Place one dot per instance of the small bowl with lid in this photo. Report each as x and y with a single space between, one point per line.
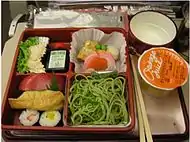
149 29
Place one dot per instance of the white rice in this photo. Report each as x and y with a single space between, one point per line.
29 117
50 118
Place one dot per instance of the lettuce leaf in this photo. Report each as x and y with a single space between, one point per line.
24 53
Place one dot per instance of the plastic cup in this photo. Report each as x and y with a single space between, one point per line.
162 70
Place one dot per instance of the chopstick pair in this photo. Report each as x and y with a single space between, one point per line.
144 128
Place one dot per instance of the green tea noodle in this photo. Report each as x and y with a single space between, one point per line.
98 101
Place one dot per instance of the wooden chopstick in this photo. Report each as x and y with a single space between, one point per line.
141 104
140 120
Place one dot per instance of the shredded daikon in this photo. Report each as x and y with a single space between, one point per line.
36 53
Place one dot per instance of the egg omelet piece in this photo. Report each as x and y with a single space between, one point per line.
38 100
88 48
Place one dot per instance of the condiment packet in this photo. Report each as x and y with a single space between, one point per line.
115 39
163 68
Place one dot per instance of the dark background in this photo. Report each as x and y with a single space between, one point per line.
6 20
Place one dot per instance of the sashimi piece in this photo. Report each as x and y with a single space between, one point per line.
97 63
39 82
35 82
100 61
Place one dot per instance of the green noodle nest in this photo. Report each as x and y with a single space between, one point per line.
98 101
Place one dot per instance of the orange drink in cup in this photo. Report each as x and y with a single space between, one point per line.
162 70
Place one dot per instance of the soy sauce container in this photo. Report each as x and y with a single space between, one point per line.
57 60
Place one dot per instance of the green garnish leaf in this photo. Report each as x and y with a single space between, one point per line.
24 53
54 84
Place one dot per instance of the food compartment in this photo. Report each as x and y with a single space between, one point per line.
94 50
112 103
40 54
21 84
